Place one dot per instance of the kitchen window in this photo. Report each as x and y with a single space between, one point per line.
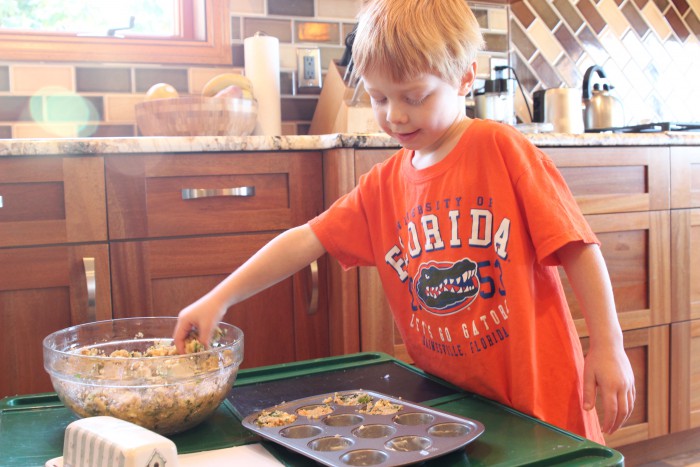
163 31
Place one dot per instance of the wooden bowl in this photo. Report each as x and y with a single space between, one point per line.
197 116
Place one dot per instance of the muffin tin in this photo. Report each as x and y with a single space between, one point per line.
347 437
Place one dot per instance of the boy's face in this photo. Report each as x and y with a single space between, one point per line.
419 111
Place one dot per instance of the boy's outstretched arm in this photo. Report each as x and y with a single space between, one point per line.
607 369
280 258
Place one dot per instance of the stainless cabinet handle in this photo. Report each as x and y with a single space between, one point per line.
194 193
0 201
313 301
90 281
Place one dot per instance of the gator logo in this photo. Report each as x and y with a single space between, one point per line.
446 288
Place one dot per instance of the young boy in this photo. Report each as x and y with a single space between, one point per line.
466 225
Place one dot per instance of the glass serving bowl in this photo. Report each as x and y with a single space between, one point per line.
166 394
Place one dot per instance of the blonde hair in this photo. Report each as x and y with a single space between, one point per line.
406 38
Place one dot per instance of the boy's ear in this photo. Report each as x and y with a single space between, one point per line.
468 80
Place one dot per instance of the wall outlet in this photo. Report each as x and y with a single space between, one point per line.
308 68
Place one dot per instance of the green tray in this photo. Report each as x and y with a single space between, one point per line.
32 426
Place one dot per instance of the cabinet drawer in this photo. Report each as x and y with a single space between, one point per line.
190 194
636 249
615 179
50 200
685 177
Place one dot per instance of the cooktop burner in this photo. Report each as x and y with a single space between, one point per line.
649 128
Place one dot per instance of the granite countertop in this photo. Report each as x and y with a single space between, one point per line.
136 145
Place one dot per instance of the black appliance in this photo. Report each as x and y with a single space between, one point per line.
649 128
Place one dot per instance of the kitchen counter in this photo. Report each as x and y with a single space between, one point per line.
137 145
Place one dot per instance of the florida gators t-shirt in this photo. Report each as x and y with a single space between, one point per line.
466 251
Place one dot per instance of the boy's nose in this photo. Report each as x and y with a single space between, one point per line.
394 114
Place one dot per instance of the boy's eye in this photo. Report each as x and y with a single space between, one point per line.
416 101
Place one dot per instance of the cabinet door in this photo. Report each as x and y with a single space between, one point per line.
685 275
43 290
51 200
636 248
615 179
685 375
285 323
648 351
203 194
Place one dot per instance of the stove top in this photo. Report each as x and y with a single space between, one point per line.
649 128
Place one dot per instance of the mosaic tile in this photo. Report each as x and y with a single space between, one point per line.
5 132
498 19
527 78
569 42
662 4
288 56
658 23
482 17
279 28
298 108
338 8
691 19
496 42
656 49
4 78
569 13
676 24
247 6
483 66
19 108
545 13
615 48
106 131
74 108
521 41
121 107
329 54
681 6
635 75
32 78
236 29
566 68
610 12
635 19
544 40
44 130
589 12
316 31
592 46
523 12
640 3
147 77
237 55
621 87
290 7
103 79
636 49
547 75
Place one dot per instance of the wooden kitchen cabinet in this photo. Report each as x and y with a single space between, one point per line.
685 375
168 249
53 253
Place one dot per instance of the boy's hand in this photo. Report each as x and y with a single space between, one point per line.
202 316
609 373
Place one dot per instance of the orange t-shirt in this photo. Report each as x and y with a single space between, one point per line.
466 253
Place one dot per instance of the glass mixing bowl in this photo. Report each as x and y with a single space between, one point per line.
166 394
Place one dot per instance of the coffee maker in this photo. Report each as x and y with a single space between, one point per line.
496 100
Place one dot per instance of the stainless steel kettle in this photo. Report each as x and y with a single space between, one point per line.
602 110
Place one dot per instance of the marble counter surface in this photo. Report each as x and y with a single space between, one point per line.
137 145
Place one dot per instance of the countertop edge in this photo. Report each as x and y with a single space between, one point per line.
137 145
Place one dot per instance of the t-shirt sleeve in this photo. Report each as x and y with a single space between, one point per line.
343 229
553 216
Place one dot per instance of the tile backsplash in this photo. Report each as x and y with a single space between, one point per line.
649 49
